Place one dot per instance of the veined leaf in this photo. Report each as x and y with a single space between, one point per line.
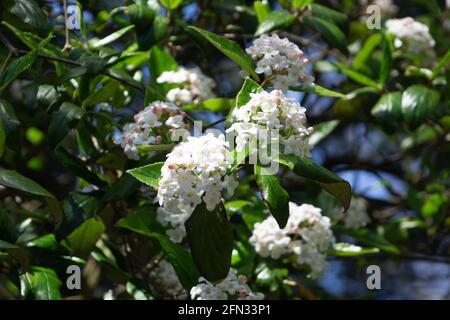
16 67
332 183
275 197
330 33
417 103
143 223
13 179
83 239
210 237
231 49
320 91
62 121
112 37
30 12
45 283
278 19
358 77
149 174
388 111
262 10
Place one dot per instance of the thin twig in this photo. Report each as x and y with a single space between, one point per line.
67 45
214 124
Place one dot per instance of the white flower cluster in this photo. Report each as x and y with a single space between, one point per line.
166 281
193 85
411 36
266 111
281 61
307 235
357 216
195 171
150 127
233 287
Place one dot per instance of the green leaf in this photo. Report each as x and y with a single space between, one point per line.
7 232
33 41
388 111
210 237
83 239
30 12
322 130
78 167
441 64
160 61
13 179
341 249
215 105
371 238
320 91
332 183
275 20
16 67
330 33
66 118
10 125
275 197
388 60
121 189
144 223
417 103
330 15
243 96
231 49
102 95
4 245
149 174
141 15
248 88
148 38
360 61
2 139
111 37
262 10
171 4
45 283
358 77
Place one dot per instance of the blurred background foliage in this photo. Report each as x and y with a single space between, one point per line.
60 109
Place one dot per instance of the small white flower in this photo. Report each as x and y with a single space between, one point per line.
165 281
148 128
232 287
195 171
281 61
268 111
193 85
307 236
412 37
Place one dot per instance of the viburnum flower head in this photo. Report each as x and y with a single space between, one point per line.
307 236
281 61
267 111
195 171
154 125
232 287
166 281
411 36
192 85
